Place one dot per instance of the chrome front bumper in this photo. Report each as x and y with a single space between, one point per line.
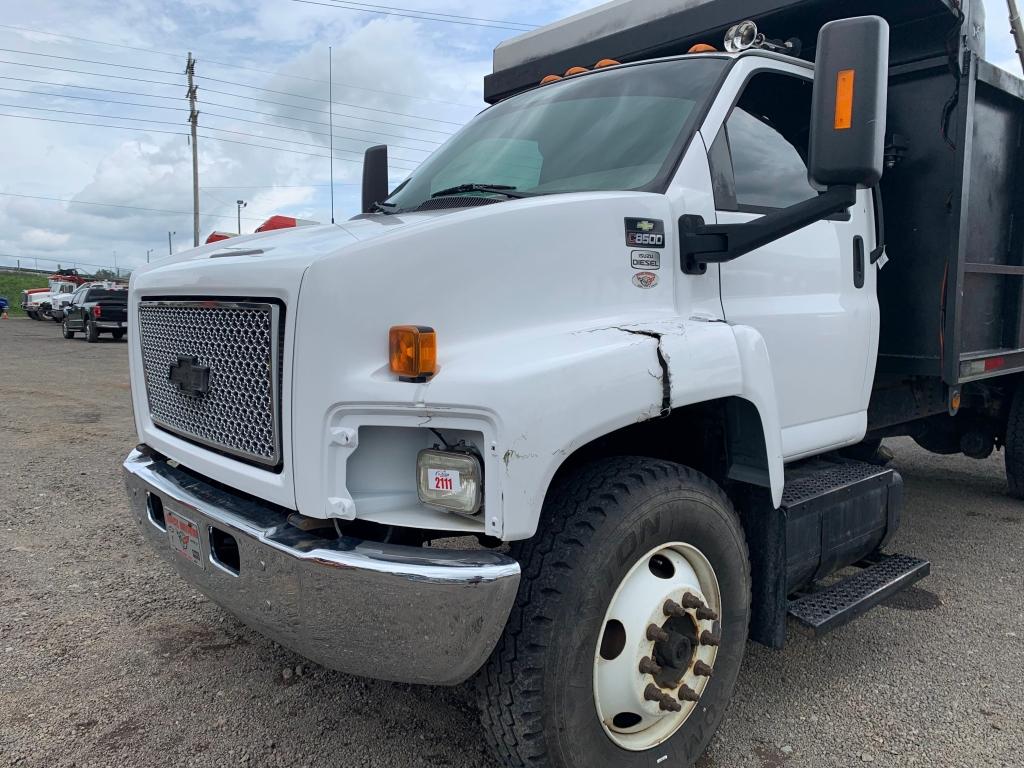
406 614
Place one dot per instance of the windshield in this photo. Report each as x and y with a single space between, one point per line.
617 130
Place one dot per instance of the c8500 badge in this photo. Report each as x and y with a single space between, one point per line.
645 233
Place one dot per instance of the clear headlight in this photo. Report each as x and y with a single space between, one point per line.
450 481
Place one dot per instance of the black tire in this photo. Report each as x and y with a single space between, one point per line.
68 333
596 526
92 333
32 315
118 335
1014 449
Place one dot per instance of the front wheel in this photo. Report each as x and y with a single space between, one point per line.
630 625
68 333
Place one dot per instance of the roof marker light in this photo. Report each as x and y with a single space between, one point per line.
703 48
576 71
607 63
550 79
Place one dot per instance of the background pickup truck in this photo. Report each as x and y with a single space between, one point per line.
94 311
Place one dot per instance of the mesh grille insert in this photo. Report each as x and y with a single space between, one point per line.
239 343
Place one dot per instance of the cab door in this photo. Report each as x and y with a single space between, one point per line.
811 295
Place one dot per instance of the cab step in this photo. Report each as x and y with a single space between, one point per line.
842 602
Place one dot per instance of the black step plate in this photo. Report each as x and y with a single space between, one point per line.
855 595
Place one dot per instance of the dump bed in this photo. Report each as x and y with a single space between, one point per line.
952 293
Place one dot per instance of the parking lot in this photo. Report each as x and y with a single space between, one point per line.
107 659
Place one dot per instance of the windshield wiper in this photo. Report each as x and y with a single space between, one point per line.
497 189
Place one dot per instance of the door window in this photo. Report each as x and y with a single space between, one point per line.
759 159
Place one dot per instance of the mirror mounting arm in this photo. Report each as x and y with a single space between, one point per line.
702 244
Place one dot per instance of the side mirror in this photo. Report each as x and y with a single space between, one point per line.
375 177
847 143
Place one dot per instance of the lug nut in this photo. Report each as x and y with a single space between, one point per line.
701 669
666 702
672 608
691 601
706 614
657 634
649 666
686 693
706 638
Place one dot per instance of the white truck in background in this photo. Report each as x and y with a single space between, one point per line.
633 324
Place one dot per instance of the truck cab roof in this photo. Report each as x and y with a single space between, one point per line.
637 30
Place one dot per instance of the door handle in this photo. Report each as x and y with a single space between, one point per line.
858 262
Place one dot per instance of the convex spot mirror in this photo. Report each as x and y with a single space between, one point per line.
847 144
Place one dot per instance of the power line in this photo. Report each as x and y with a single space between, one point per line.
320 122
205 127
118 205
90 61
90 114
91 74
91 98
176 133
296 143
324 101
211 103
233 66
92 88
376 6
94 125
208 113
336 6
223 82
311 109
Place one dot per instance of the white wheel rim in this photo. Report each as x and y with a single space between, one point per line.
666 573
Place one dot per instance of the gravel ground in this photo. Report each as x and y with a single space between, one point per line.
106 659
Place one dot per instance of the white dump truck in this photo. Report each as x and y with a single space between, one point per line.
596 395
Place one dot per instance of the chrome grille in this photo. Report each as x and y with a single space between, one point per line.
240 344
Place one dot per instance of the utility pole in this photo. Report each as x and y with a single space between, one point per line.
241 204
1017 28
330 112
193 118
148 252
117 272
170 248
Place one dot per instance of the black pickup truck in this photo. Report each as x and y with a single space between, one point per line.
93 311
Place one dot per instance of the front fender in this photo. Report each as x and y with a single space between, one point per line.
559 393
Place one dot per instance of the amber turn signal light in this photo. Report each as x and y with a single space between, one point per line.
844 99
413 352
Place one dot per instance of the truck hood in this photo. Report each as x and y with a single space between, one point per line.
291 250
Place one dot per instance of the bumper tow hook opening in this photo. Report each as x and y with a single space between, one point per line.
155 508
224 551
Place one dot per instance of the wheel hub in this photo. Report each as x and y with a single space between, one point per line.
657 652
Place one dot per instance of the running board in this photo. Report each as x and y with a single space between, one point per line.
844 601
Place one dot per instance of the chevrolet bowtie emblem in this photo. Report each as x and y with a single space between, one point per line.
189 376
645 226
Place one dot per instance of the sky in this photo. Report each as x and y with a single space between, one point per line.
103 195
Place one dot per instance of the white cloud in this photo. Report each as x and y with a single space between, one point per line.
45 239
